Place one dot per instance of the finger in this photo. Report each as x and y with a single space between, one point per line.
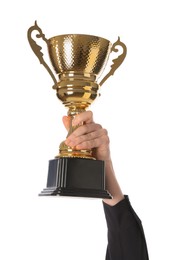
66 122
96 143
86 117
91 136
84 130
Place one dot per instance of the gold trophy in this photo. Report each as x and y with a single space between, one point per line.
78 60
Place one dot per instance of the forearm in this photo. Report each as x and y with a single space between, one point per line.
112 184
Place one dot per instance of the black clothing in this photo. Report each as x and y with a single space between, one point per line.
126 239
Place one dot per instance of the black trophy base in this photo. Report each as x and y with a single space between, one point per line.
76 177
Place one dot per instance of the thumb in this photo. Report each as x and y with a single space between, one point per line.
66 122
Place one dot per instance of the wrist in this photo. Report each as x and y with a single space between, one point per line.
115 200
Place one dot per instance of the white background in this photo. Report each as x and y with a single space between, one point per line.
135 106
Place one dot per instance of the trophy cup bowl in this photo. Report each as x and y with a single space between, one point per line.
78 60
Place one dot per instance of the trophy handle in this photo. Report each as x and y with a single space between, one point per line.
37 49
116 62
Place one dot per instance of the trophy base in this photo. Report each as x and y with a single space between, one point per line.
76 177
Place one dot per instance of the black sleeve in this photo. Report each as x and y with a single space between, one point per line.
126 239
